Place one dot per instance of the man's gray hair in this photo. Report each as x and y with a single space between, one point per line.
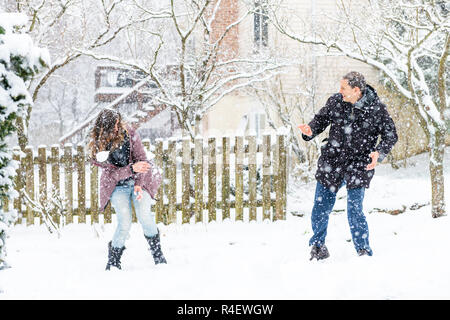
355 79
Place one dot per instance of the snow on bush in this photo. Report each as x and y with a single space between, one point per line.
20 60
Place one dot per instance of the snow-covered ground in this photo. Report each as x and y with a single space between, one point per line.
251 260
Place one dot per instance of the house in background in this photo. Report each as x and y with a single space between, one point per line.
315 72
130 92
255 36
239 112
113 82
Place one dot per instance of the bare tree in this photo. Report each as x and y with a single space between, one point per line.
63 102
409 42
62 26
193 63
287 108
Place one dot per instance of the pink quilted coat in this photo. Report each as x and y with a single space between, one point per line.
149 181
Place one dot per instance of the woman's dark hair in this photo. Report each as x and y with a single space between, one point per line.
103 134
355 79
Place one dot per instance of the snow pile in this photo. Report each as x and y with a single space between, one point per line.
258 260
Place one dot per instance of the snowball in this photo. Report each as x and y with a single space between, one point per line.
102 156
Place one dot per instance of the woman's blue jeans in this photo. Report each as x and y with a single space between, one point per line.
121 199
324 201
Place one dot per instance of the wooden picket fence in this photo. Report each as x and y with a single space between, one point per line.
189 192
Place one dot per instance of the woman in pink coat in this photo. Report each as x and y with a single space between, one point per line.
127 176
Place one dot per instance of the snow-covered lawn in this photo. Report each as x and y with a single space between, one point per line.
251 260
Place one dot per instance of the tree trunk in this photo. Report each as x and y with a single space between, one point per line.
437 144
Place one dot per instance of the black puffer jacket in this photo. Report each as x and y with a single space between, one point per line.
353 136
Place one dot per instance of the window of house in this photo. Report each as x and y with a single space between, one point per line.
260 24
257 122
253 123
103 78
108 78
124 80
111 78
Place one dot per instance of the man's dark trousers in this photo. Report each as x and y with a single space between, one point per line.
324 200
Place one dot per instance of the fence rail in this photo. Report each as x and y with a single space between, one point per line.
238 179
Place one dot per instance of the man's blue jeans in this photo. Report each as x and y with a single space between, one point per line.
121 201
324 200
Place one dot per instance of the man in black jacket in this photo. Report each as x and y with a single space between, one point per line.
357 118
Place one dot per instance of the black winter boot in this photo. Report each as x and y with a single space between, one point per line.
155 248
114 255
319 253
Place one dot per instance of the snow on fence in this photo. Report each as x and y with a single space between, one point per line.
216 179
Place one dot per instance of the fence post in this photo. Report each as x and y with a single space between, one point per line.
211 179
5 203
226 178
239 180
266 187
42 164
146 144
252 177
18 185
198 171
81 169
284 175
159 207
275 162
172 186
94 193
29 183
107 213
280 205
55 178
185 179
168 159
68 179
